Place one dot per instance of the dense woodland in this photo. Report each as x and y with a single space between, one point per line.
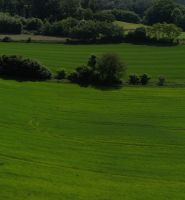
57 9
93 20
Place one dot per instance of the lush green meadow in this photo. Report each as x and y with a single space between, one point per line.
60 141
64 142
156 61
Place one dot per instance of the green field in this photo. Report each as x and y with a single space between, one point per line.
60 141
156 61
129 26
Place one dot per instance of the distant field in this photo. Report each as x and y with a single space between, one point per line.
156 61
24 37
129 26
63 142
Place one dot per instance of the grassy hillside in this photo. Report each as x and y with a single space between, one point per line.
129 26
64 142
167 61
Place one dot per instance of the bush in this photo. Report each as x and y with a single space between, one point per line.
82 13
107 71
105 16
85 30
161 81
83 75
33 24
61 74
139 35
10 24
60 28
110 32
110 69
7 39
163 32
126 16
29 40
144 79
92 61
134 79
17 67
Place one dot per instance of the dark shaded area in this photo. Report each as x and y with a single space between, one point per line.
21 69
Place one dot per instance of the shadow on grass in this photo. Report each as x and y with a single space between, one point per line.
20 79
154 44
102 87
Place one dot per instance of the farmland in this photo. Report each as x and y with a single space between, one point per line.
65 142
61 141
156 61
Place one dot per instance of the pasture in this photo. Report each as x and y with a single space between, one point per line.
154 60
63 142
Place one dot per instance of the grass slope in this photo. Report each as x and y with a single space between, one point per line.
64 142
129 26
156 61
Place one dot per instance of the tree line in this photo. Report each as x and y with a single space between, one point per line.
91 20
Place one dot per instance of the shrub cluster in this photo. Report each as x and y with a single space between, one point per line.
10 24
33 24
84 29
136 80
19 68
161 81
158 33
126 16
108 70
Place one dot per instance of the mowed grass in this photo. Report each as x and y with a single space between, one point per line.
63 142
156 61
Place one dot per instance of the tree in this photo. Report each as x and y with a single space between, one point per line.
50 9
92 62
69 7
104 16
10 24
126 16
110 69
164 31
161 11
85 30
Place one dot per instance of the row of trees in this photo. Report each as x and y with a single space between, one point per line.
88 30
78 29
107 70
57 9
84 30
16 25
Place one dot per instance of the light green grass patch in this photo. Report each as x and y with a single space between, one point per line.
129 26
